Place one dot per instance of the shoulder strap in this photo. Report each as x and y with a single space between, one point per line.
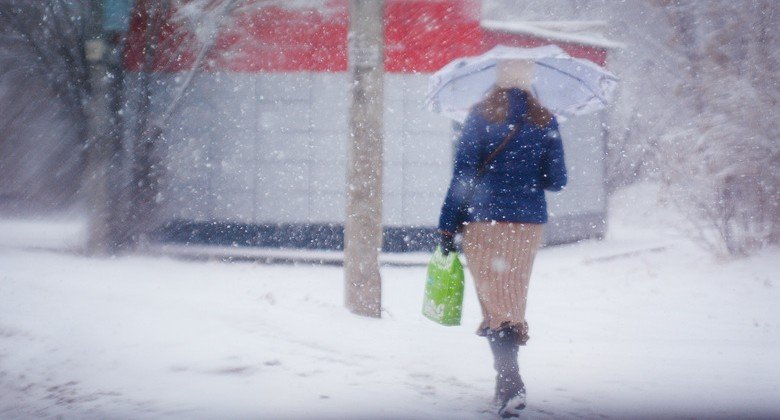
484 165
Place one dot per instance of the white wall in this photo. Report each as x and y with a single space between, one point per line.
272 148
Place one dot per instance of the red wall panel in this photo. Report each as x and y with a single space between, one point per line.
420 36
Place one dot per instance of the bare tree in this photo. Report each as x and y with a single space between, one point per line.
196 26
44 88
719 157
49 41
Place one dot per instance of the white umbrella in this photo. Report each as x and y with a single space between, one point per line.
565 85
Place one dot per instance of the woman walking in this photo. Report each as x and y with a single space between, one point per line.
508 153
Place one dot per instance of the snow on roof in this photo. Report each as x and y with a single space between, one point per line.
578 32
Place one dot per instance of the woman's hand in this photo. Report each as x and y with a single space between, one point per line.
447 243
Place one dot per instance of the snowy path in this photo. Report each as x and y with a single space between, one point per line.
665 332
158 338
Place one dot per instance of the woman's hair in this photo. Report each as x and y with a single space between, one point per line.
495 108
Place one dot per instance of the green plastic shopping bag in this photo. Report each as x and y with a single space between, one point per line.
443 299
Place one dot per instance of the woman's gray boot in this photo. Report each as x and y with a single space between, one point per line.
510 390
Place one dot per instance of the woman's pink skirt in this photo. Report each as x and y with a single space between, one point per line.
500 257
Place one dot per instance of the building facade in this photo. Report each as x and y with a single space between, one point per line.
256 153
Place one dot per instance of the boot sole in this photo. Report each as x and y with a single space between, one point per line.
513 407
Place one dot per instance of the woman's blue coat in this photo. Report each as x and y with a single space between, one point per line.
512 188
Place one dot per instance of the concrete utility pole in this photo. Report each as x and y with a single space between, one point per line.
363 228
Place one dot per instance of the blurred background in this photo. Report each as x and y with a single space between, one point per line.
121 139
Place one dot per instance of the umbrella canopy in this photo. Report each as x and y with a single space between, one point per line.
565 85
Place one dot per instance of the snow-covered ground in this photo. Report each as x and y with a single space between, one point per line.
642 324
